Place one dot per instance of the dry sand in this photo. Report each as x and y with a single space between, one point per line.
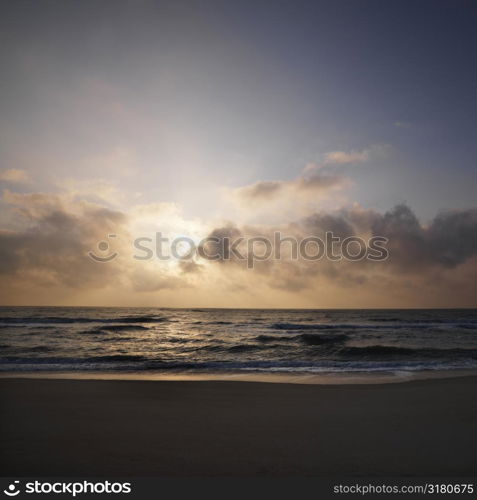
191 428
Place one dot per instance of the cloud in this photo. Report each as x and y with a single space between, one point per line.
344 157
51 250
14 176
318 183
261 190
280 201
439 259
322 185
356 156
219 242
448 241
46 258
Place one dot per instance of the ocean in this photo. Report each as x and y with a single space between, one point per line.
236 341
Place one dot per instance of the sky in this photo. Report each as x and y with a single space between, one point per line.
210 117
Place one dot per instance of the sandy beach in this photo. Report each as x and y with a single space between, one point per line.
190 428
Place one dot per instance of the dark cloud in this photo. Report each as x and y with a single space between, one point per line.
448 241
320 223
54 247
418 255
216 246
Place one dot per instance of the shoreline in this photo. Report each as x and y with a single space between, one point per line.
350 378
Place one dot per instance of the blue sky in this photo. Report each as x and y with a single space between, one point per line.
249 91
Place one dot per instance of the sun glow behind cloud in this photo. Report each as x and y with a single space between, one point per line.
54 233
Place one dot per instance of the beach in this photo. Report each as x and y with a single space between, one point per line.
60 427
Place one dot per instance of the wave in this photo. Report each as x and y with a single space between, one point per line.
137 363
301 326
212 323
114 329
386 320
244 348
40 348
118 357
423 320
118 339
317 339
69 320
275 338
403 352
71 361
363 326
